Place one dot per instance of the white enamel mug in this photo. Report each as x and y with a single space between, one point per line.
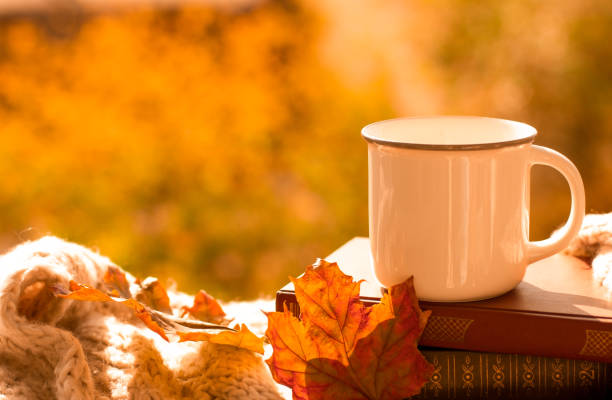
449 204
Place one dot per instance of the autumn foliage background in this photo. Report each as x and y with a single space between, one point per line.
219 144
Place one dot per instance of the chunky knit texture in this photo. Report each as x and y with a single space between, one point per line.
52 348
594 245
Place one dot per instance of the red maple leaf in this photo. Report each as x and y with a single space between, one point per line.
344 350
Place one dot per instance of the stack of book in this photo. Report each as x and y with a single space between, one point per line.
550 337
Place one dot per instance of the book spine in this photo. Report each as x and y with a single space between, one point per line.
525 333
473 375
500 331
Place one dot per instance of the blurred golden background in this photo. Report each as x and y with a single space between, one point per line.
217 142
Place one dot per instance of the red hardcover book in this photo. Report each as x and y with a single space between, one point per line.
557 311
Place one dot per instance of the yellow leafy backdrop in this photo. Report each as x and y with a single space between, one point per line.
220 146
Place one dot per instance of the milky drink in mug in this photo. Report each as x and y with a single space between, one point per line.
449 204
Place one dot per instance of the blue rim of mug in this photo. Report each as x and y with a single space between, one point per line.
472 146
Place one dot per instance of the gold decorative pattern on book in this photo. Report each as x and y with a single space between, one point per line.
446 329
597 344
435 382
558 376
474 375
468 375
529 375
498 375
586 375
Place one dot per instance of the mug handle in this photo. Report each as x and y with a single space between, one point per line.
554 244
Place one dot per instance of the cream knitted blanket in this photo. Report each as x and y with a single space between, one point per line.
84 350
594 244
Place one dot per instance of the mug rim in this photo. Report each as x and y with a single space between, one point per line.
529 137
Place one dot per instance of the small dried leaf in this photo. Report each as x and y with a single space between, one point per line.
153 294
242 337
145 316
80 292
342 349
117 283
205 308
181 323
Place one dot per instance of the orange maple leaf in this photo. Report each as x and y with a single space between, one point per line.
343 349
117 283
205 308
81 292
152 293
241 337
